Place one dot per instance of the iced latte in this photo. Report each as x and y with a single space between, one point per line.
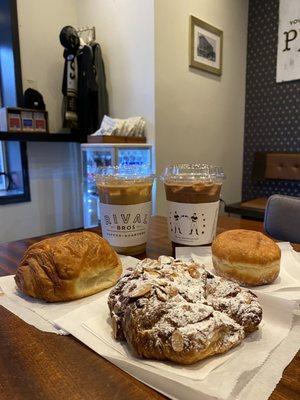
125 207
193 194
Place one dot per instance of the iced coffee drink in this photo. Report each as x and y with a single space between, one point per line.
125 207
193 196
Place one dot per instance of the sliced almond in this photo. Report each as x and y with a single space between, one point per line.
165 260
177 341
173 291
161 282
141 290
152 272
193 271
136 273
161 295
149 268
114 325
164 288
171 274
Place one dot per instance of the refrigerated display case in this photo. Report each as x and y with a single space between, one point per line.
94 156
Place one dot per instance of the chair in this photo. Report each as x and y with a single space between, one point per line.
282 218
267 166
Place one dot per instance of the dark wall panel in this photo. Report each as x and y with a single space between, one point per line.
272 117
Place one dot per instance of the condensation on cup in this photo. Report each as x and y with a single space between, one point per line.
193 199
125 204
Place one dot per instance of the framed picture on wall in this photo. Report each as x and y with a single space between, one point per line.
206 43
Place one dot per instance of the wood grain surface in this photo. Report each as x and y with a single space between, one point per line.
35 365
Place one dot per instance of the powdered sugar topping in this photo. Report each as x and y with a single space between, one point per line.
181 306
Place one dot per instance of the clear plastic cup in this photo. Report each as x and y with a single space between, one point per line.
193 197
125 196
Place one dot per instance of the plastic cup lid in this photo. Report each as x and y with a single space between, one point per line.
132 173
193 173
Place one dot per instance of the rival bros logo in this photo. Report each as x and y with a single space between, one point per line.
126 222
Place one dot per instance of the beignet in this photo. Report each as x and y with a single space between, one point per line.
246 257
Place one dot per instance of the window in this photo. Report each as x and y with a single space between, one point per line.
14 182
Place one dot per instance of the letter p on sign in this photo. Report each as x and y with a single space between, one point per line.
288 50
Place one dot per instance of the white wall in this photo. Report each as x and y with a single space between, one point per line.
54 168
40 22
192 116
55 194
199 116
125 30
126 33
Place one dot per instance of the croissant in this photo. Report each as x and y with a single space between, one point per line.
167 309
68 267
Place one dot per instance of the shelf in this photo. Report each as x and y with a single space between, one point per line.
115 139
42 137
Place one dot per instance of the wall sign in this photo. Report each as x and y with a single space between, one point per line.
288 52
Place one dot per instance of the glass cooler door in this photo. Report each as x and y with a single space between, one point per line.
93 158
134 156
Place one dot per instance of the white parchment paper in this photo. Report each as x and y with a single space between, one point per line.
277 321
219 379
40 313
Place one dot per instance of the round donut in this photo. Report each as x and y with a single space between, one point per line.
247 257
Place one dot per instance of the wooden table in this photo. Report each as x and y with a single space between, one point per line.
37 365
251 209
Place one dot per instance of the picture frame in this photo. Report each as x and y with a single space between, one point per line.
206 46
